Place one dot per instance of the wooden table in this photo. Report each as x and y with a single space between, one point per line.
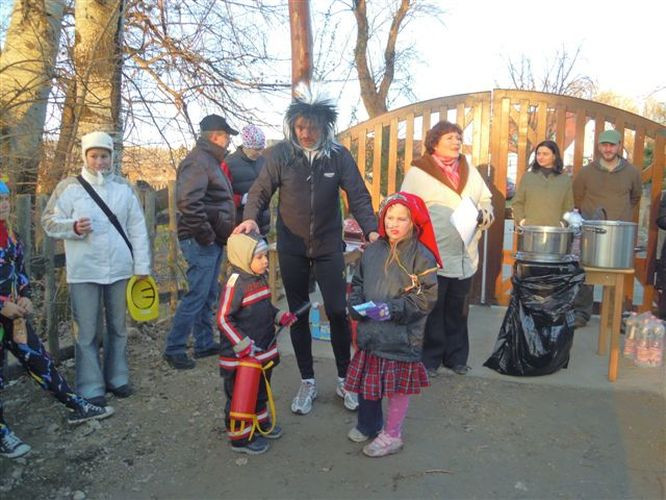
612 281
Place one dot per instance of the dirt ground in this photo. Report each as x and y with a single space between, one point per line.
465 437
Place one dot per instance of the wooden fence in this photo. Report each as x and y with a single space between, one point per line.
500 131
45 260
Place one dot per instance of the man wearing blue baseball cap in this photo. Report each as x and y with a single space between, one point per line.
610 183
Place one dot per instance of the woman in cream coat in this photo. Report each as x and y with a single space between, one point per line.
442 178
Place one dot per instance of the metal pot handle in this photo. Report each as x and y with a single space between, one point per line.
598 230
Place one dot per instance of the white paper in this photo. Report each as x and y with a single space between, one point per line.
463 219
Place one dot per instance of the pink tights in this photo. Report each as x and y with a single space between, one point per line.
397 410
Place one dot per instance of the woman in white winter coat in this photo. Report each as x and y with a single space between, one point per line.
99 264
443 178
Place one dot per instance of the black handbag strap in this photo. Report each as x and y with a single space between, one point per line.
112 217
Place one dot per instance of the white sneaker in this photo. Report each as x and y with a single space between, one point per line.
357 436
350 398
302 403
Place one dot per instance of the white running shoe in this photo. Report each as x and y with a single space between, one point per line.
302 403
350 398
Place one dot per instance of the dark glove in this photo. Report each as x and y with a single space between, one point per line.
379 313
287 319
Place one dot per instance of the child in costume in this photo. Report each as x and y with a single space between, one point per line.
247 321
393 289
18 337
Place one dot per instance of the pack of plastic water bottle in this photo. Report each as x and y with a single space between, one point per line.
644 339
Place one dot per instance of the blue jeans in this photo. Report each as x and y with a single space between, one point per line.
93 378
197 307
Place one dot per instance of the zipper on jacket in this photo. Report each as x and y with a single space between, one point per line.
312 214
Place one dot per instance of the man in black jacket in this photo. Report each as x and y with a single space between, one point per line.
310 168
207 216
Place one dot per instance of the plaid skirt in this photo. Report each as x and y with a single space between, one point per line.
374 378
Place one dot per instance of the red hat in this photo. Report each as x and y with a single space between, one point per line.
420 218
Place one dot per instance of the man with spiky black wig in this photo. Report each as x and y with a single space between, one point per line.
310 167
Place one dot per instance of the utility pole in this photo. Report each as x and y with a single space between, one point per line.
301 42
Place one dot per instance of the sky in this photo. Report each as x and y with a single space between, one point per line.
622 43
466 48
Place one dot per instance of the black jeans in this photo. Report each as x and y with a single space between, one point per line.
370 419
329 271
446 338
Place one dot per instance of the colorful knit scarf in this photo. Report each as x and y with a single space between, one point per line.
449 166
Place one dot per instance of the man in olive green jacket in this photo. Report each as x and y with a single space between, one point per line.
610 183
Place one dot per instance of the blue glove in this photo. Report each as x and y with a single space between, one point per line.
379 313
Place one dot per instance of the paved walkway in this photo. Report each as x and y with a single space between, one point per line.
586 369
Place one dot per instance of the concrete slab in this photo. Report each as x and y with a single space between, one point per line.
586 370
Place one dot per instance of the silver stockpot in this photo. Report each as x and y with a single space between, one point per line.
608 244
544 243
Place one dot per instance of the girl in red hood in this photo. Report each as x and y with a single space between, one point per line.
393 290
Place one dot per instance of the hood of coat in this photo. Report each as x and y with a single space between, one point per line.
240 250
621 166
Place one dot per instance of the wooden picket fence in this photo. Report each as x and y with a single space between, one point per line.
45 261
501 129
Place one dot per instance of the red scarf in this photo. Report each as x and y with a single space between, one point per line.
225 170
449 166
4 234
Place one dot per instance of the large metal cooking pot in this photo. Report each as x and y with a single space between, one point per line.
608 244
544 243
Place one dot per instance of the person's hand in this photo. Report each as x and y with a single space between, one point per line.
26 304
379 313
247 226
20 332
83 226
248 350
373 236
287 319
12 310
485 219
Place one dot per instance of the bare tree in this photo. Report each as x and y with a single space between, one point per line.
558 75
175 57
375 79
26 70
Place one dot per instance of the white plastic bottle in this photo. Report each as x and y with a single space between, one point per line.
631 326
656 344
642 354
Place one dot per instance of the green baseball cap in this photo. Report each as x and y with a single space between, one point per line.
610 137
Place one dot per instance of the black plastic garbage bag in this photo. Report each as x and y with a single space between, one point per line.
537 331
